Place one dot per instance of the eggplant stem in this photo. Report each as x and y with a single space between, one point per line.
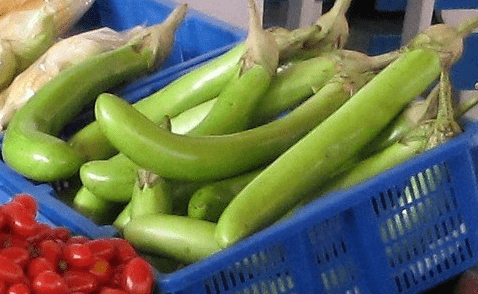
261 47
467 27
381 61
445 126
334 27
465 106
341 6
289 42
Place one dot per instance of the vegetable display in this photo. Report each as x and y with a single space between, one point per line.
202 158
310 162
204 83
230 148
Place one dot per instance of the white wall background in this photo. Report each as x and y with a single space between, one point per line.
231 11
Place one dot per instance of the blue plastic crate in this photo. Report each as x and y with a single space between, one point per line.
51 210
456 4
198 39
390 5
404 231
401 5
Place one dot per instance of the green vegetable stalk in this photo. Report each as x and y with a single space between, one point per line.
58 57
329 32
429 133
118 173
301 79
413 115
233 107
123 218
209 201
99 210
31 146
100 176
185 239
204 158
201 84
148 196
236 103
311 161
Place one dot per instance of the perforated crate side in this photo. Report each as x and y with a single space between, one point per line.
305 256
404 231
421 231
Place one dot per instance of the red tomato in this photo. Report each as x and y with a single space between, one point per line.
22 223
10 272
3 219
102 248
78 255
49 283
62 234
5 240
77 240
42 232
3 286
27 201
124 251
39 265
19 255
11 240
138 277
37 258
116 276
19 288
11 207
467 283
80 281
50 250
107 290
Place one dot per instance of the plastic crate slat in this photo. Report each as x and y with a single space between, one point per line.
391 5
436 246
401 5
336 265
456 4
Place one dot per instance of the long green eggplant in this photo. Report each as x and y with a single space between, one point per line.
30 145
311 161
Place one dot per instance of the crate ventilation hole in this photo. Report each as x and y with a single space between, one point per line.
261 273
336 267
423 231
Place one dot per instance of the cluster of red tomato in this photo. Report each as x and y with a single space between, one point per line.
39 259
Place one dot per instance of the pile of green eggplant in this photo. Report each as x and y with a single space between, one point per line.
244 140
